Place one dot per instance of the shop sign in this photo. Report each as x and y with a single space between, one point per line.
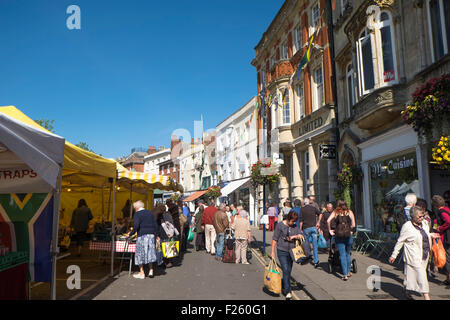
327 151
393 166
310 126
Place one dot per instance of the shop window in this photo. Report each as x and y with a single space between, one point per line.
438 12
301 101
350 89
391 179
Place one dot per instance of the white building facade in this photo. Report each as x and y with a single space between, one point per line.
236 146
152 161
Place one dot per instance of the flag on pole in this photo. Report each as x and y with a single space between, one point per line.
285 96
306 57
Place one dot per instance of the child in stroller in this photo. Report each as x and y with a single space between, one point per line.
334 260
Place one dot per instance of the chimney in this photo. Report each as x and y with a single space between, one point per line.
151 150
175 147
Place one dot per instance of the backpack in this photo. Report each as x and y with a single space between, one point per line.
343 226
229 255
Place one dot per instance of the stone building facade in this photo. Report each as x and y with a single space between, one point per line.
384 51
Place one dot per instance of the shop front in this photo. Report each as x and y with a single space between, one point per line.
393 166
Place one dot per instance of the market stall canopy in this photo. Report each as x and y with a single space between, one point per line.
30 158
143 181
87 165
233 185
195 196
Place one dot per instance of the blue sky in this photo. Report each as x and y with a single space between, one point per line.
136 71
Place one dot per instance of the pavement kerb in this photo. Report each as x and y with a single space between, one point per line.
308 286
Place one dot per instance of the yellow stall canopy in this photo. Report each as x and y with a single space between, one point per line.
142 181
91 168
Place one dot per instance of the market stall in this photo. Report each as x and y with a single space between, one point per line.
31 162
81 169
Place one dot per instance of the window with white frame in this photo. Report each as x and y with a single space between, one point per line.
438 12
365 62
317 88
272 61
301 100
387 63
298 38
307 165
286 108
350 84
284 51
315 16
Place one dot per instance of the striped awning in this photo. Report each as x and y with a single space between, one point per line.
146 180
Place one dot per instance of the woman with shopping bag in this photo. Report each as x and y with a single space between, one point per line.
284 236
415 238
443 220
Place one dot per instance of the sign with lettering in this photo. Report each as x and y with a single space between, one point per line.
327 151
21 179
310 126
404 166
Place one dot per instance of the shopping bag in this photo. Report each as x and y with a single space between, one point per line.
190 235
170 249
297 253
322 242
272 277
438 253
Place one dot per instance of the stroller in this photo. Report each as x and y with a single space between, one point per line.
334 262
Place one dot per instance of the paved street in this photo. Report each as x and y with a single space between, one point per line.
200 277
322 285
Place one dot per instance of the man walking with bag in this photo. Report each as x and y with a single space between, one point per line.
220 223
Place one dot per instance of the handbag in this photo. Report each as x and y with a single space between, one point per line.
297 253
190 235
272 277
438 253
322 243
170 249
159 253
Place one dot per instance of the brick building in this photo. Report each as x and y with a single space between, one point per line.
300 109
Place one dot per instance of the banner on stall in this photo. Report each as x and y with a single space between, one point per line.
26 221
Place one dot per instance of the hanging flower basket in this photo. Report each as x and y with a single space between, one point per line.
175 197
441 153
346 177
429 111
259 179
213 192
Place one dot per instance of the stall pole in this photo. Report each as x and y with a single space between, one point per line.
109 200
55 249
103 203
113 230
131 200
146 199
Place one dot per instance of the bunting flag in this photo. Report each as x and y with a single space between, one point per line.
26 222
269 100
258 101
306 57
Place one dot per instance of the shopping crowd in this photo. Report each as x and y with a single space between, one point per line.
220 230
332 229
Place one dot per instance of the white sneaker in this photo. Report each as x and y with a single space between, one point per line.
150 274
139 276
289 296
237 261
245 262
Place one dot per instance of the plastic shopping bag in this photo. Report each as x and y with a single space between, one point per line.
438 253
190 235
322 242
170 249
272 277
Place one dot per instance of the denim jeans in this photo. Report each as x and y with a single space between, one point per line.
311 233
344 245
286 265
220 242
